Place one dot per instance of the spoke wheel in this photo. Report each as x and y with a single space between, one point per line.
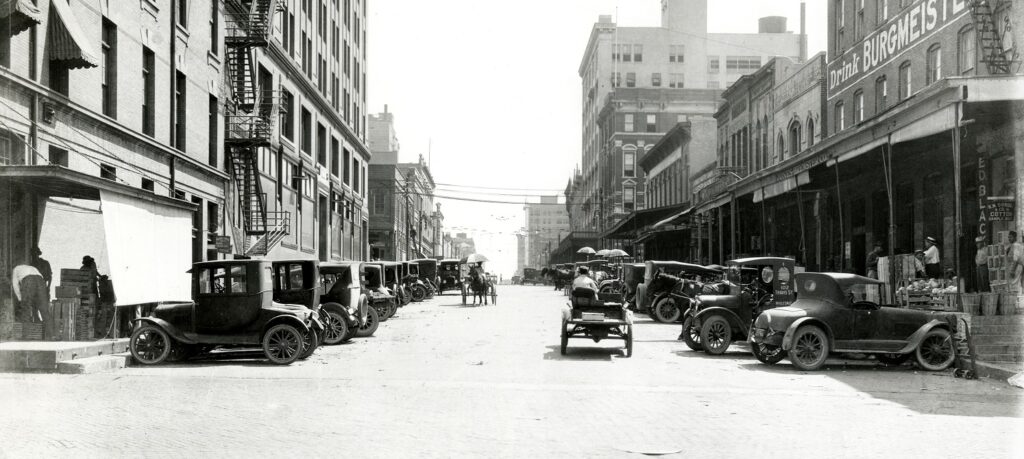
310 341
691 335
335 328
418 293
667 311
372 322
935 353
766 353
810 348
282 344
716 335
150 345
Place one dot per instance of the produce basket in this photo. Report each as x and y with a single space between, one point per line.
971 303
989 304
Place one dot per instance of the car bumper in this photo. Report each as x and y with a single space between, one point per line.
767 336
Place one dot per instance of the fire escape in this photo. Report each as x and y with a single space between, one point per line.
250 115
990 40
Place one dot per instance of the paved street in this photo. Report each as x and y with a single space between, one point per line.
444 380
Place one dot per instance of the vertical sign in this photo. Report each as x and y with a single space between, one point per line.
983 187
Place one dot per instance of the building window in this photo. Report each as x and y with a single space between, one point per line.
713 65
182 13
628 197
675 80
881 11
149 88
781 147
794 140
652 123
629 163
335 157
288 103
630 79
810 132
742 64
933 70
108 172
214 28
108 84
321 145
656 80
966 51
211 123
675 53
347 164
58 77
858 106
881 94
616 79
629 122
180 111
307 131
147 184
638 53
57 156
840 116
904 83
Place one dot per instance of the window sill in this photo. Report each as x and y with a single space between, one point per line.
212 59
182 32
150 7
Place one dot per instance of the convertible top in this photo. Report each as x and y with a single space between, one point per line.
829 285
687 267
760 260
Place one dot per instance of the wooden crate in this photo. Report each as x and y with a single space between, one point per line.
28 331
63 312
73 275
64 291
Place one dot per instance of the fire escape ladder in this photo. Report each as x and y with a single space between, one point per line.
989 40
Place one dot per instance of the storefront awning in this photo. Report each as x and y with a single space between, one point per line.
714 203
675 218
782 186
22 14
68 43
629 226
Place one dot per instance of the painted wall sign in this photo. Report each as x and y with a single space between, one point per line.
914 25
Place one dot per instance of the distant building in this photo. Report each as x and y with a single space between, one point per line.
546 222
462 246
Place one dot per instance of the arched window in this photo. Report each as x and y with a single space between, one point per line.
933 64
966 50
781 150
794 139
810 131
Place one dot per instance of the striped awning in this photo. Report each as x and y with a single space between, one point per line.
22 14
67 41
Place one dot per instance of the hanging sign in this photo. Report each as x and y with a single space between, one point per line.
223 244
999 211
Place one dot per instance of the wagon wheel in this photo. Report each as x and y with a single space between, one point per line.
565 337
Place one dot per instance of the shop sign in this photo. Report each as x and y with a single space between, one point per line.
913 26
223 244
982 195
1000 211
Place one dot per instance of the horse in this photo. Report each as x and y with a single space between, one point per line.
479 285
559 277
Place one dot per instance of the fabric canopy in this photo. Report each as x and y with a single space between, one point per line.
67 41
149 249
22 14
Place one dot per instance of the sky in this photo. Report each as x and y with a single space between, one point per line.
489 93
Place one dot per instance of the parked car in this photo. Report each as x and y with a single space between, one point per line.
673 293
450 276
345 298
531 276
393 281
832 315
428 274
232 307
411 279
381 299
632 277
297 282
715 321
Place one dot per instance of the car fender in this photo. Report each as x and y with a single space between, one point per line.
915 339
290 320
337 307
167 328
787 339
730 316
363 308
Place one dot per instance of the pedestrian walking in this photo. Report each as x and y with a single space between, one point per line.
932 259
1015 260
873 260
981 265
33 297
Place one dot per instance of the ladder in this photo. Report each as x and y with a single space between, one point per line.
990 42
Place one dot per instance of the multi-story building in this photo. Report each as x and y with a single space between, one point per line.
462 246
422 218
546 222
404 222
679 55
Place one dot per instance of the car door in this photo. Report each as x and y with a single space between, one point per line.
224 302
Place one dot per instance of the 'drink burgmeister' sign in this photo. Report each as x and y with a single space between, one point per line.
911 26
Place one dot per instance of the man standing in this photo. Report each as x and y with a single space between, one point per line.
932 260
33 297
42 265
1015 259
873 260
981 265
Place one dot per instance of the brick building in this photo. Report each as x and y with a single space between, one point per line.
546 222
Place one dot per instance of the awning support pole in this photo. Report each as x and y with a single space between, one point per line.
887 169
803 234
732 226
764 229
721 237
959 230
842 238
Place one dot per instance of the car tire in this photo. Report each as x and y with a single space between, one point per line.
335 326
565 337
372 322
282 344
150 345
936 351
766 353
629 341
667 310
893 359
392 308
419 293
310 341
716 335
810 348
691 335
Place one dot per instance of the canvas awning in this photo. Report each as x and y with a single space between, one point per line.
22 14
68 43
674 218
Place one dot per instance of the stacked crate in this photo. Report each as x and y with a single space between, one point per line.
74 281
998 267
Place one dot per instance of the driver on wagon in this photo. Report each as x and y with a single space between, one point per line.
584 280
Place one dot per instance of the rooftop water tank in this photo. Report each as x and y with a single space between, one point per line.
771 24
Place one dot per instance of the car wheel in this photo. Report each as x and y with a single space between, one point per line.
691 335
766 353
810 348
335 328
372 322
893 359
667 311
150 345
310 341
936 353
392 308
282 344
565 337
716 335
629 341
418 293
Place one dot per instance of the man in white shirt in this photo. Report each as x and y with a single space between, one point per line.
1015 260
932 260
584 280
33 297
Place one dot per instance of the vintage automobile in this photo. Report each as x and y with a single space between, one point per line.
670 294
451 276
393 281
411 279
380 298
715 321
832 315
532 276
645 299
297 282
592 316
345 298
428 274
233 307
632 276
